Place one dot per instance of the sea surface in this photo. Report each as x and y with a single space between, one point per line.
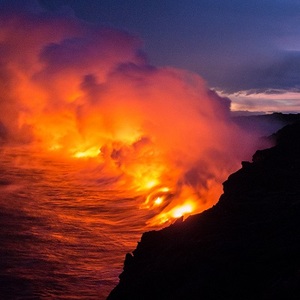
64 231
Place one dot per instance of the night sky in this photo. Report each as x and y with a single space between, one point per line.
246 50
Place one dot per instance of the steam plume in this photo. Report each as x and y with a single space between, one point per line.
79 90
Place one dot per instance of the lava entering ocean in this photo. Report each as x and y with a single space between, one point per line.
78 91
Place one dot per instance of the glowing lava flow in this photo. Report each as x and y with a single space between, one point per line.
179 211
162 199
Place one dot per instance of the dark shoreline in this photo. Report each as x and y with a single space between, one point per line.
246 247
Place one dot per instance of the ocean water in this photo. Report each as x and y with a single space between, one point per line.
64 231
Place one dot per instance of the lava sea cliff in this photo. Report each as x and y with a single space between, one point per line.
245 247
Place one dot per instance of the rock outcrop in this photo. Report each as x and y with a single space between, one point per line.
245 247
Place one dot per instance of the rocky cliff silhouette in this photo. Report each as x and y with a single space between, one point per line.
245 247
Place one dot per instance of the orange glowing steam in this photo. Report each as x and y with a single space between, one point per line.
87 92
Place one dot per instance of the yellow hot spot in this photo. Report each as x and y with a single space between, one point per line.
92 152
158 195
150 184
158 200
182 210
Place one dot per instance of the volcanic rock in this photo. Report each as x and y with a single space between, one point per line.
245 247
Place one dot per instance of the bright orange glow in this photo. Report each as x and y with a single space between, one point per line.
150 184
156 197
157 133
92 152
176 212
158 200
179 211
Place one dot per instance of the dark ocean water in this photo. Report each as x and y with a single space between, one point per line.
63 232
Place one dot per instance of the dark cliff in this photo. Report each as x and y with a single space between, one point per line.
245 247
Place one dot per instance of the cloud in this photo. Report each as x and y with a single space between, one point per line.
273 76
234 45
266 101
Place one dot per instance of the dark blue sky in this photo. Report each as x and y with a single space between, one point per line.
235 45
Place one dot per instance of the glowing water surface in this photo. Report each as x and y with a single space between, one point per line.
62 236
